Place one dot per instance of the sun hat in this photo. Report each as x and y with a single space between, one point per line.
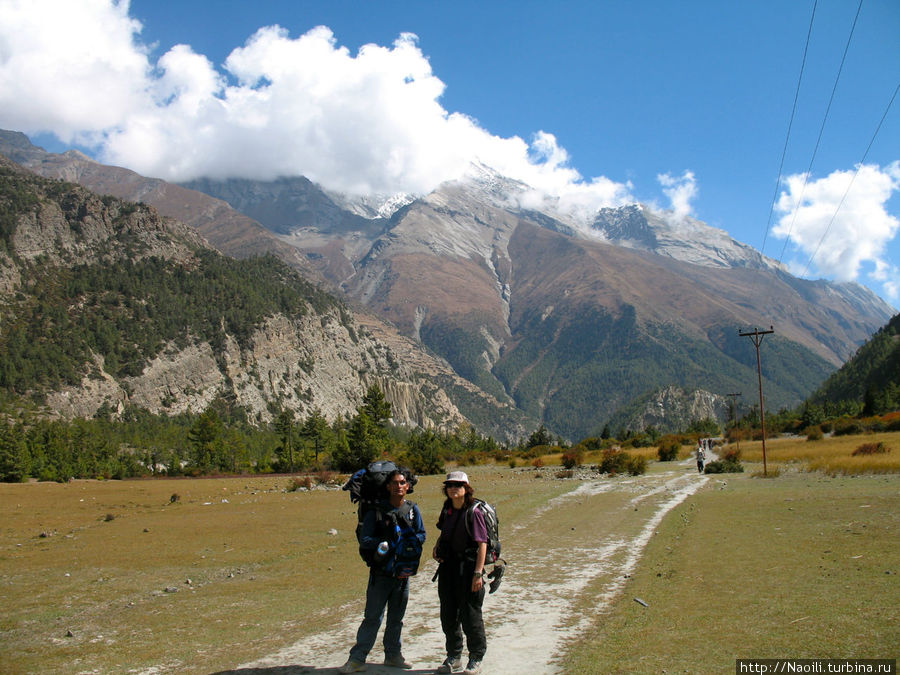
457 477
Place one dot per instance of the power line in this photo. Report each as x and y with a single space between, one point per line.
821 131
790 126
858 168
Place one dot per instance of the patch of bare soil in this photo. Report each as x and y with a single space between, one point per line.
568 560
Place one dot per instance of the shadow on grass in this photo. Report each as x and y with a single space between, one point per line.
372 669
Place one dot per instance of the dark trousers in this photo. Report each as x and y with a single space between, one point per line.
382 592
461 610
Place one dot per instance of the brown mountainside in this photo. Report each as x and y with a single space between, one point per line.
568 324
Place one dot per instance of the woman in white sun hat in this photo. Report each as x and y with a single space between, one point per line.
461 551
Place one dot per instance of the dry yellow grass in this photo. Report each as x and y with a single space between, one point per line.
832 455
249 567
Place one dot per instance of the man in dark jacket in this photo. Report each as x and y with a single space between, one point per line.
388 586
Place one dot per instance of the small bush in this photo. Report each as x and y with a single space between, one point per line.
891 421
668 449
814 433
724 466
871 449
512 462
537 462
572 458
300 482
736 434
636 465
847 426
614 461
872 424
535 451
108 517
325 477
731 455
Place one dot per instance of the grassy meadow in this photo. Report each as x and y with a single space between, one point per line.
119 576
804 565
199 575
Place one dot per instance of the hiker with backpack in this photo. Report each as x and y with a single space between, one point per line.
391 534
461 550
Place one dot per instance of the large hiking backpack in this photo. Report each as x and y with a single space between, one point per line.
492 522
368 488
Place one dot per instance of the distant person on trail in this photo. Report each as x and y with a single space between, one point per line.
385 589
461 551
701 457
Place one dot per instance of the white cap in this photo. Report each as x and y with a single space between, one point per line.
457 477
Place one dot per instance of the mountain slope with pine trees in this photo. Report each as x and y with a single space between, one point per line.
104 305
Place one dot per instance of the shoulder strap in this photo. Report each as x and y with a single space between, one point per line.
385 513
405 511
470 515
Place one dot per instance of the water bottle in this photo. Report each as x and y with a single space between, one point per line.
382 550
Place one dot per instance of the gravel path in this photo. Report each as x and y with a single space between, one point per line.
534 615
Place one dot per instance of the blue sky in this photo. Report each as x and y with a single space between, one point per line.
684 106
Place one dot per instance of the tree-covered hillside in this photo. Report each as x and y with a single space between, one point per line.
129 312
116 298
871 377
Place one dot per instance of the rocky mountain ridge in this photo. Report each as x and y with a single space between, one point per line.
561 320
522 301
316 358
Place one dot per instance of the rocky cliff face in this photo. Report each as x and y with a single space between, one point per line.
318 360
311 364
686 239
673 408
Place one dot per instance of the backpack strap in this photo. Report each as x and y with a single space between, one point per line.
470 516
387 516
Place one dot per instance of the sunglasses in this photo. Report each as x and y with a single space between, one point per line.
455 485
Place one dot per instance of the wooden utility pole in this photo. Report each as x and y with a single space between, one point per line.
734 417
757 337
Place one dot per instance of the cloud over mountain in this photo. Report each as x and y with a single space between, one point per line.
363 123
360 123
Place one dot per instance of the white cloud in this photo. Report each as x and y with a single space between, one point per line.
72 68
369 122
680 191
843 240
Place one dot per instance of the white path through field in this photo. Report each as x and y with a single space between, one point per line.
531 619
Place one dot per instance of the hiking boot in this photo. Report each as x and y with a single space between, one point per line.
473 668
352 666
397 661
452 664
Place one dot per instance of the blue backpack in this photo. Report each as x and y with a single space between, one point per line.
404 548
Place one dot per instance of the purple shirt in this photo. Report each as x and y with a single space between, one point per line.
452 525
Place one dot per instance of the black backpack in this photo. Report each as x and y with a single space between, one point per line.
368 488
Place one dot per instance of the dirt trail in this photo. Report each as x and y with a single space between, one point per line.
568 560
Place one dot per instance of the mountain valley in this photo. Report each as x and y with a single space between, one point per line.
535 315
